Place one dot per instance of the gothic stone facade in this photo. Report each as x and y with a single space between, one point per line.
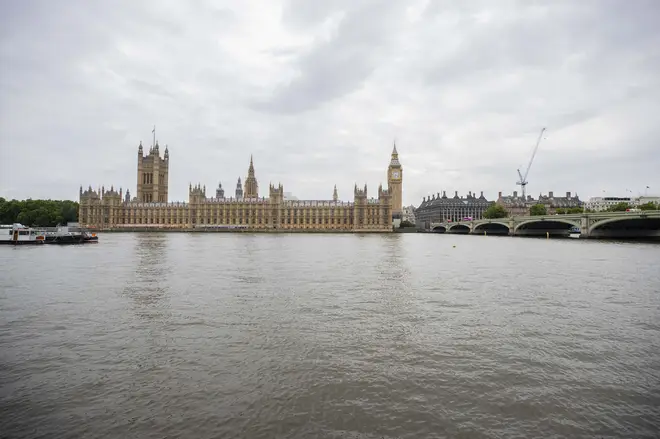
152 175
395 184
109 209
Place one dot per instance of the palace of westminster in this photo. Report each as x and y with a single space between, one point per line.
150 208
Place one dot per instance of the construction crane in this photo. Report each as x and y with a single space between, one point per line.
523 180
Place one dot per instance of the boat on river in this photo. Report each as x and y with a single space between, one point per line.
574 232
18 234
70 234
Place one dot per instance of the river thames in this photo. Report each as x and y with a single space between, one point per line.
330 336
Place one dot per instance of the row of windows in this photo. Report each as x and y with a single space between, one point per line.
307 213
449 213
148 177
149 197
236 219
23 232
239 221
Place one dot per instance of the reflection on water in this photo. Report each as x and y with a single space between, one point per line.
296 336
149 288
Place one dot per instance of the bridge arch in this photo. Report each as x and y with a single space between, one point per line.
439 229
459 228
494 227
638 225
552 219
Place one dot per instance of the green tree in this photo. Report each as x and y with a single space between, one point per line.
538 209
495 211
406 223
568 210
42 213
619 207
649 206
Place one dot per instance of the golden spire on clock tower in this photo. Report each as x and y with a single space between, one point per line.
395 157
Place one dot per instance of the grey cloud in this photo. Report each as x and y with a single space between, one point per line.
81 83
334 68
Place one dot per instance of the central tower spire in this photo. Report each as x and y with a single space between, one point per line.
251 185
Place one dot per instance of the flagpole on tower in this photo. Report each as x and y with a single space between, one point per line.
154 131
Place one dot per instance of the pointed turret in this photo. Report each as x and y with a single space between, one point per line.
239 189
167 153
140 151
335 197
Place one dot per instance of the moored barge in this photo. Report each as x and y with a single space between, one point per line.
18 234
70 234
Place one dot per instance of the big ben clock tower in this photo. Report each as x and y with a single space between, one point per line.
394 185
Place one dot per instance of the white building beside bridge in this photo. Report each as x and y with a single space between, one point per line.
600 204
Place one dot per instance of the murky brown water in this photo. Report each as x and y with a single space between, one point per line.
330 336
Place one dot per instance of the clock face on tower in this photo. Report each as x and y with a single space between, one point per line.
395 174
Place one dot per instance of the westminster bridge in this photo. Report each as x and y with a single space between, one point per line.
641 224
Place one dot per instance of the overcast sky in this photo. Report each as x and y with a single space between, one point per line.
318 91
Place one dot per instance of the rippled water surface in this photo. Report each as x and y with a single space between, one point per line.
330 336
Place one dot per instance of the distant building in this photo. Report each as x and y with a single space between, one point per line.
553 203
409 214
438 208
517 206
645 199
599 204
110 209
289 196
